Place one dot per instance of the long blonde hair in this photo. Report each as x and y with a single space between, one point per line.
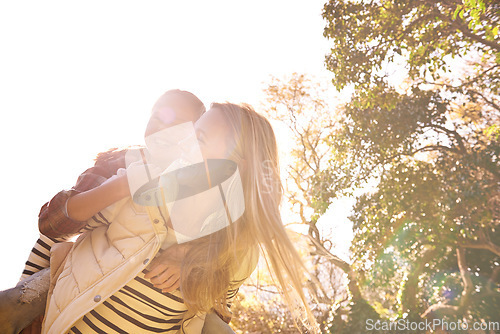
208 266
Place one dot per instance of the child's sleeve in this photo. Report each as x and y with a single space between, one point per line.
53 220
39 257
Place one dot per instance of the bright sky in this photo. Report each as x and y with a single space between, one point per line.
77 78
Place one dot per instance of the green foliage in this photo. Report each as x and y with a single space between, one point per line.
367 36
299 104
358 314
426 153
435 190
251 316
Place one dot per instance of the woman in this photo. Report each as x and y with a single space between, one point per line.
103 274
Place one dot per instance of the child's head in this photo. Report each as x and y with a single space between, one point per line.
174 107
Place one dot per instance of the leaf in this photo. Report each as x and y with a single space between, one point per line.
494 32
459 8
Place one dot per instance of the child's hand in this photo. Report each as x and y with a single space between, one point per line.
166 268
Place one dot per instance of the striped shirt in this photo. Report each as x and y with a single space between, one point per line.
39 257
138 307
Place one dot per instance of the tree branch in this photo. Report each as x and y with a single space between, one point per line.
455 134
492 280
409 293
464 273
304 158
346 267
445 309
464 84
264 288
488 246
484 243
442 308
464 30
422 149
489 102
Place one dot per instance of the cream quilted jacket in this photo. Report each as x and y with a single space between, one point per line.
104 260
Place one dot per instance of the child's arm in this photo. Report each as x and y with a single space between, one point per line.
54 213
53 219
76 208
85 205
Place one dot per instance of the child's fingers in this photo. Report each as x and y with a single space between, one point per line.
169 285
173 287
165 276
157 270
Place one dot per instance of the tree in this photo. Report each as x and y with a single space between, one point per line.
428 234
300 105
422 35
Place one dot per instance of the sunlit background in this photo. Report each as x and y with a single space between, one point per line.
79 78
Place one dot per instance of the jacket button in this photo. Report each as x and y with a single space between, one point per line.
97 298
145 262
156 221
